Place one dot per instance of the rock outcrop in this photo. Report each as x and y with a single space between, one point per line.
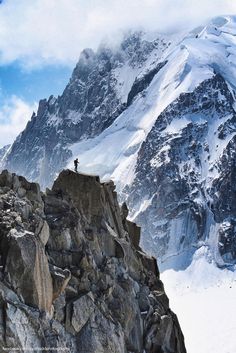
72 274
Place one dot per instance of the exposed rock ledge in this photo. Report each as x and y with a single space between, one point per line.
73 275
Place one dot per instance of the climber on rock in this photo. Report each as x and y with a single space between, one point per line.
76 162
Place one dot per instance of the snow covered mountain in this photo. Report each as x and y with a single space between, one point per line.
156 114
95 96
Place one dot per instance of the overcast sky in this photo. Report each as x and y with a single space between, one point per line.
39 32
44 37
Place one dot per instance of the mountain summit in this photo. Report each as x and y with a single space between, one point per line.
156 114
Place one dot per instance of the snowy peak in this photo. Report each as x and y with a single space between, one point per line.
179 71
214 46
93 99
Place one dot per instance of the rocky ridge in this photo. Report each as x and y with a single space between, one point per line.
72 273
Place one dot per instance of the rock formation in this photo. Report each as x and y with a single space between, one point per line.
72 274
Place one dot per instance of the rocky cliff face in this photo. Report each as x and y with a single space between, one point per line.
191 202
72 274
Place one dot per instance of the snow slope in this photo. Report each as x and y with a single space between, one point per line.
203 297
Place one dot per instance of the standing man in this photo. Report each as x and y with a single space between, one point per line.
76 162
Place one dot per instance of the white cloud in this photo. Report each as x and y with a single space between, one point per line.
14 115
55 31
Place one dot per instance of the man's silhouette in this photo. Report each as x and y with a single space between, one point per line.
76 162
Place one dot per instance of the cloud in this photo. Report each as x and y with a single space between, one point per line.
43 32
14 115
